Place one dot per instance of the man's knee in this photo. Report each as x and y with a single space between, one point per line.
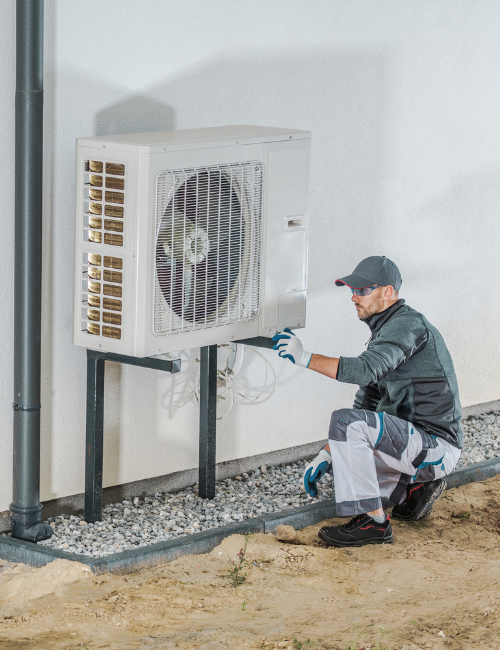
341 419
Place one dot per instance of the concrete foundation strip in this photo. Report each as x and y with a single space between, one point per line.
16 550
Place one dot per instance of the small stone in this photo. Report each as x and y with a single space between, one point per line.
286 533
461 511
442 634
82 523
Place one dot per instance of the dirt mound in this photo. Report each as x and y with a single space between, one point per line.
23 586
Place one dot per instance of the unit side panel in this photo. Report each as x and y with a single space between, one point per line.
286 235
104 247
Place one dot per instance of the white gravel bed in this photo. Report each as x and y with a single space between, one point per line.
481 438
140 522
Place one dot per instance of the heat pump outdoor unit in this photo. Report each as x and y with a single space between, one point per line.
189 238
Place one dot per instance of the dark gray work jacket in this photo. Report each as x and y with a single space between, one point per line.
407 371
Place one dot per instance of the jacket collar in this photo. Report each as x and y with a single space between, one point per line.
376 321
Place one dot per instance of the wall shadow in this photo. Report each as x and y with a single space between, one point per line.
136 114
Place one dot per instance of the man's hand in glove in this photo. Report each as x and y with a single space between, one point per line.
290 347
317 468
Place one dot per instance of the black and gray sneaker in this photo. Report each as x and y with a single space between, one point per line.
419 500
359 531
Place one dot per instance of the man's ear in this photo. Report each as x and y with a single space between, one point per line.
389 293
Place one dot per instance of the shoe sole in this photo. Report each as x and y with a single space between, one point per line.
431 496
426 512
374 540
422 510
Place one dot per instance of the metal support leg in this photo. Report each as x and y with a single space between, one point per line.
208 420
94 442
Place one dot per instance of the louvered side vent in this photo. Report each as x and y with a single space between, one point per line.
103 202
102 287
208 247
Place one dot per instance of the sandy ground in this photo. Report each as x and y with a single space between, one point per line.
436 587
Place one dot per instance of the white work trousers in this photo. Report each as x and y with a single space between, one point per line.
377 455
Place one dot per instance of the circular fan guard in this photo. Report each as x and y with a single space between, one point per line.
199 246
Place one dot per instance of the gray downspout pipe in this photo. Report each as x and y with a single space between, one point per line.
26 510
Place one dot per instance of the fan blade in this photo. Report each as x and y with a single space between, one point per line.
187 291
172 233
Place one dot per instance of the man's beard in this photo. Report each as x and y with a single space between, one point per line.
365 314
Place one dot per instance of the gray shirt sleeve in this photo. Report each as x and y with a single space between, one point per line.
394 344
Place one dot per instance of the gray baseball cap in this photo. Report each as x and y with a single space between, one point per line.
373 270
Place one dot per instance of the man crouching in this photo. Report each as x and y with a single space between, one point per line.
404 433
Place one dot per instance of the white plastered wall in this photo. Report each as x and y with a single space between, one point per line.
403 102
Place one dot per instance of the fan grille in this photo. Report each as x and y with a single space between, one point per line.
208 247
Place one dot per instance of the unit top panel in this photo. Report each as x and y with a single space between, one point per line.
215 136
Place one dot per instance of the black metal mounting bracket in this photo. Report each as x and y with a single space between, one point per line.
95 417
258 342
95 420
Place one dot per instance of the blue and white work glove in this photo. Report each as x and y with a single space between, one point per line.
290 347
317 468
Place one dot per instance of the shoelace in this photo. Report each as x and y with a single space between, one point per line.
354 522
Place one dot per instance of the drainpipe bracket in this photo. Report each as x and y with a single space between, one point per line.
26 407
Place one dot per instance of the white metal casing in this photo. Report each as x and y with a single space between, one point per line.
284 155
